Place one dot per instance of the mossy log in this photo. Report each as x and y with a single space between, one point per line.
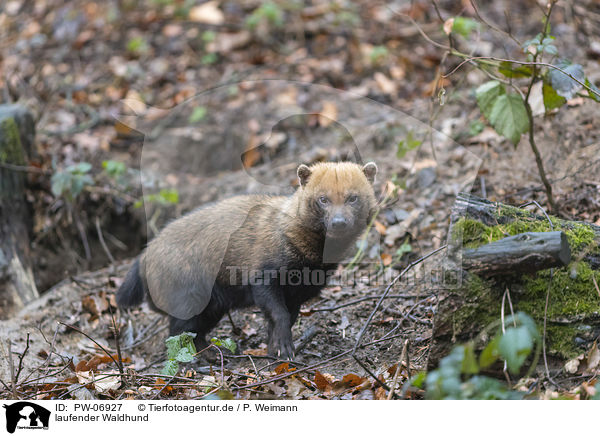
17 285
573 314
525 252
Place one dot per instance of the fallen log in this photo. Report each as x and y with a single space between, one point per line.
525 252
494 248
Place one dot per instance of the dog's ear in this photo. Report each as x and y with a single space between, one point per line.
303 174
370 170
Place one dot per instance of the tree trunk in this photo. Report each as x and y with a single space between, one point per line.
505 252
17 286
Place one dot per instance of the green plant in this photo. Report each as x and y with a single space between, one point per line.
197 114
180 349
114 169
164 197
137 46
269 13
225 343
458 375
503 102
209 58
407 144
378 54
70 182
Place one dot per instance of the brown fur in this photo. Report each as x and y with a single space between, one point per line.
185 268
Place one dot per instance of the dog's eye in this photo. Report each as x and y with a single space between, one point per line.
323 200
352 199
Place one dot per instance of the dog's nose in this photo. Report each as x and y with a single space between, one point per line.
338 222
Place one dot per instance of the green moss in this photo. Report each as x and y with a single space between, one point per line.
10 143
473 233
478 309
573 295
561 341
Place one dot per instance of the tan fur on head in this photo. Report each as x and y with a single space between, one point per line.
335 191
339 176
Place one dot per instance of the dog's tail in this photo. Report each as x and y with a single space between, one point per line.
132 290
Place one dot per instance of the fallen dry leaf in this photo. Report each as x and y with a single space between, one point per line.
207 13
593 357
321 382
386 259
328 114
386 85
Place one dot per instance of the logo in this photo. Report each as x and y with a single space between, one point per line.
26 415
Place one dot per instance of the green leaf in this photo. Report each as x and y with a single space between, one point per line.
114 168
169 196
593 96
137 45
551 99
171 368
490 353
476 127
184 341
80 168
464 26
378 54
564 85
60 183
514 71
408 144
184 355
487 94
208 36
404 248
227 343
509 117
550 49
469 363
173 346
418 380
534 41
514 347
197 115
209 59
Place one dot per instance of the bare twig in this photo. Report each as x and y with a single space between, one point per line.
310 367
103 243
117 335
403 355
21 357
119 364
387 290
492 26
358 300
25 169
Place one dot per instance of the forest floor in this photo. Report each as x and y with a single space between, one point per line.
205 103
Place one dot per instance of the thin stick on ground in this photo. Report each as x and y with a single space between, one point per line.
387 290
376 309
358 300
119 364
117 335
21 357
103 243
403 355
